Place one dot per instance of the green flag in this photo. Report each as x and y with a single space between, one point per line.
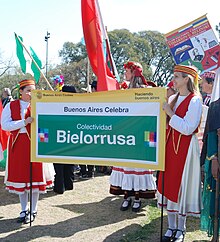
26 63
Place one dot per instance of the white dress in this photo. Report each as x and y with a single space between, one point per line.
189 197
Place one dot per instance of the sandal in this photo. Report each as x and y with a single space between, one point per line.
126 204
22 217
138 207
169 238
181 236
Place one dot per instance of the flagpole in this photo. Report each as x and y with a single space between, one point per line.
34 62
88 88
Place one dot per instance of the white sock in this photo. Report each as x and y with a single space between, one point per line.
35 198
24 201
181 226
171 223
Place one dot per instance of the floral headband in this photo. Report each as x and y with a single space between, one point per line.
135 66
209 74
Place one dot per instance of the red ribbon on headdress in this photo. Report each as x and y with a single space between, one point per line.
138 70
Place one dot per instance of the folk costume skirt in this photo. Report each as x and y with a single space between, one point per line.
17 174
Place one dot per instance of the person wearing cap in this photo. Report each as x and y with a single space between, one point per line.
16 118
127 181
6 96
181 180
210 159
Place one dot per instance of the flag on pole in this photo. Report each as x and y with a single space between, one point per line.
94 35
26 63
3 142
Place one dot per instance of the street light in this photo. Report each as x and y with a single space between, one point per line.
46 39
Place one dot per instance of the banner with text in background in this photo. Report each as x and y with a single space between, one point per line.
195 44
120 128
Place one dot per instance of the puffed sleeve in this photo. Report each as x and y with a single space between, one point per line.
191 120
6 121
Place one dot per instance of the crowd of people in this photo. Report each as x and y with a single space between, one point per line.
182 189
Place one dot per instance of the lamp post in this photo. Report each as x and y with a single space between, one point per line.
46 39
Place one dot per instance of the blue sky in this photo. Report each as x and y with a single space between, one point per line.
31 19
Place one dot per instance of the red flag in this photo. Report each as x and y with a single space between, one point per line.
3 134
94 40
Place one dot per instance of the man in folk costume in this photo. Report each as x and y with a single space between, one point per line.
209 158
16 118
182 181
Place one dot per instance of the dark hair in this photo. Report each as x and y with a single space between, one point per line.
68 88
94 85
209 80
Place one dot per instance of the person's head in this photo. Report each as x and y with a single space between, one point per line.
185 77
195 51
6 92
25 88
134 70
68 88
94 86
207 82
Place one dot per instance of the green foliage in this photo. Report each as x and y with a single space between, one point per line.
147 47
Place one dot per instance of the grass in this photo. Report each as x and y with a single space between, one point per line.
150 230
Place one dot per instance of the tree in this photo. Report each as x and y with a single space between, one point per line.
72 52
147 47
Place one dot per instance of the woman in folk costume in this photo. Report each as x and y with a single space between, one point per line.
182 182
137 182
210 160
17 120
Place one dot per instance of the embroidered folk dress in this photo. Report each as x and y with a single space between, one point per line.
17 174
132 179
182 181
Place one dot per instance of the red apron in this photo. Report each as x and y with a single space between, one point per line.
19 152
177 146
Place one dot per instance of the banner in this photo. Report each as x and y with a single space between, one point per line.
120 128
195 44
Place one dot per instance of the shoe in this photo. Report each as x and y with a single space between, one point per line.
58 192
126 204
136 206
84 176
90 174
22 217
180 235
169 238
30 218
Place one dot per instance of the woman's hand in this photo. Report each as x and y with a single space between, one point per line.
215 168
28 120
167 109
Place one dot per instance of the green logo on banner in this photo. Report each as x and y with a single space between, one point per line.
123 137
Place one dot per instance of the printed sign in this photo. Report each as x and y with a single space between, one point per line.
195 44
124 128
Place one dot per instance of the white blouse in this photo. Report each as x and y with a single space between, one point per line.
191 120
6 120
